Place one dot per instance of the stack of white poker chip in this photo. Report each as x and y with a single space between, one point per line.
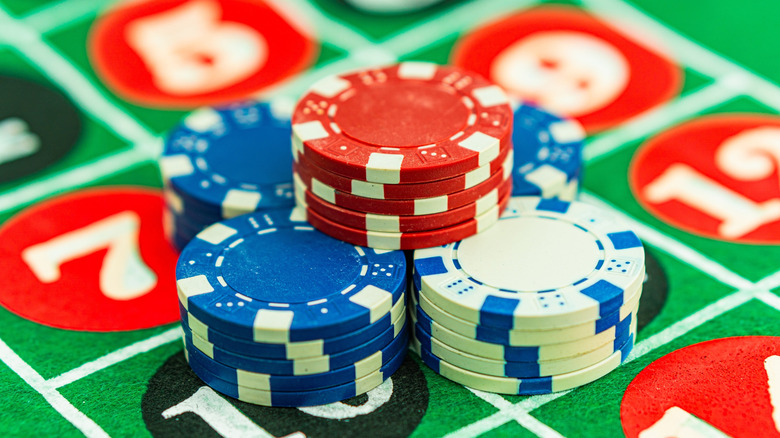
544 301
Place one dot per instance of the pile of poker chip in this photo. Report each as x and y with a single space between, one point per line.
277 313
220 163
291 284
544 301
408 156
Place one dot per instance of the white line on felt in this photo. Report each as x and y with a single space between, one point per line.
689 323
77 418
689 52
536 426
297 85
115 357
73 82
674 248
328 30
509 412
50 18
768 298
658 118
770 282
630 20
82 175
419 37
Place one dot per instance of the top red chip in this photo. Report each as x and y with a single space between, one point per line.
411 122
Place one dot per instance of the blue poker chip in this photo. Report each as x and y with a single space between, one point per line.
270 277
232 160
196 215
309 382
293 350
548 153
425 324
554 264
297 367
315 397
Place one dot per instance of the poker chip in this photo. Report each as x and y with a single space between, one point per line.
545 300
523 386
502 368
552 262
297 367
570 347
223 162
548 153
427 122
315 397
271 382
412 240
429 189
270 277
274 308
231 161
527 336
397 224
417 206
293 350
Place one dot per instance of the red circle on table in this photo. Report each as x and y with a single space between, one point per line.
653 78
74 299
722 382
695 144
288 50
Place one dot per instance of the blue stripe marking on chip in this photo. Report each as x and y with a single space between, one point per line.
497 312
624 240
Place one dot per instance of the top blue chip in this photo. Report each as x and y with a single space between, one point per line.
232 160
548 152
270 277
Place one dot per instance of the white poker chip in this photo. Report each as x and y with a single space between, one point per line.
545 262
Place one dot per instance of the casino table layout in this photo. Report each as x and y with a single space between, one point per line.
679 99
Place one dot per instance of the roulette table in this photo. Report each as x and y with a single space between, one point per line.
679 100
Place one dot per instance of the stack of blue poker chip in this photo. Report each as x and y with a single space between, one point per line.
548 154
223 162
544 301
277 313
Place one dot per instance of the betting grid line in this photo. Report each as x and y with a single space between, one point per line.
550 399
663 116
56 400
50 18
116 357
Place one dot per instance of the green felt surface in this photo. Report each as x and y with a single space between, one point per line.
107 374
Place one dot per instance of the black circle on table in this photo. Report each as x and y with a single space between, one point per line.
174 382
48 114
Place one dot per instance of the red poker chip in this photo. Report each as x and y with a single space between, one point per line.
411 190
93 260
402 207
417 240
410 122
405 224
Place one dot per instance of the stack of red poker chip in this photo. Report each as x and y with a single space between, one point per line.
408 156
